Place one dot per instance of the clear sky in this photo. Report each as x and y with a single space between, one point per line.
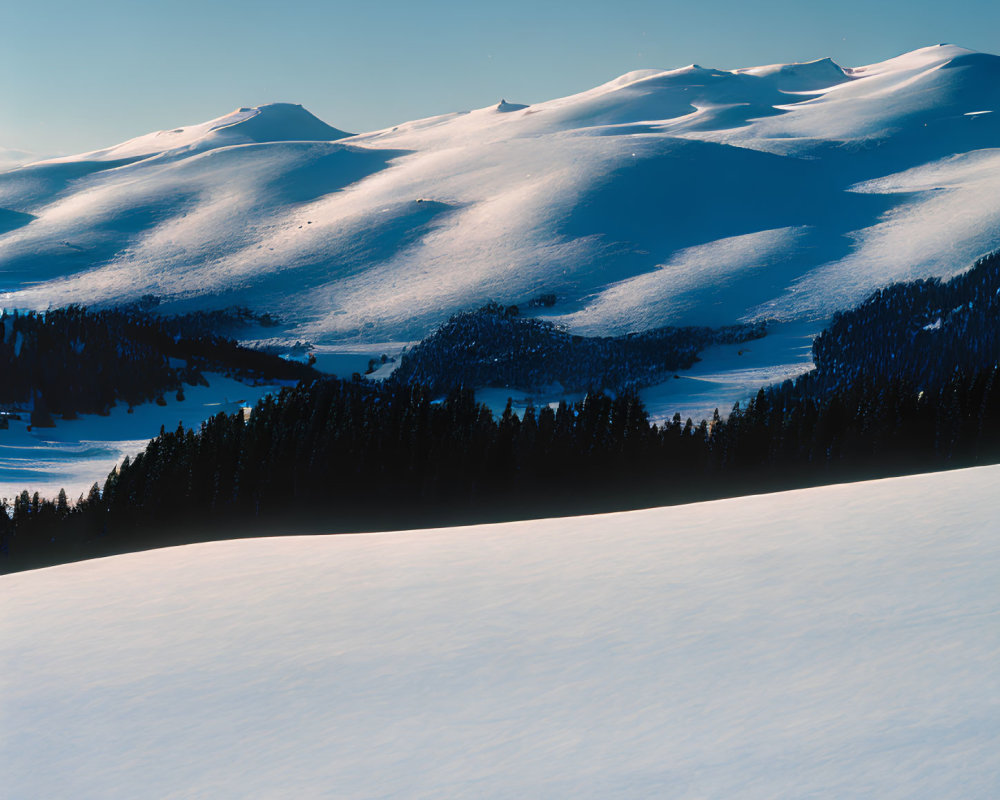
77 75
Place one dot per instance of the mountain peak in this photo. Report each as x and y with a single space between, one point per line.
274 122
270 122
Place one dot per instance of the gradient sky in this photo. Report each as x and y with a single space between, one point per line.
77 75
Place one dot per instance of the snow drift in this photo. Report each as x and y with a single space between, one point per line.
832 642
693 195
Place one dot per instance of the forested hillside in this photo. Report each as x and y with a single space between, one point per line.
496 346
894 391
921 331
73 361
338 456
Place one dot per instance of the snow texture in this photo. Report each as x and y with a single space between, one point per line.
826 643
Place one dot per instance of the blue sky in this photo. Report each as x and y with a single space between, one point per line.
79 75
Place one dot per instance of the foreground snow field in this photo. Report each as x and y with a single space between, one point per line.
827 643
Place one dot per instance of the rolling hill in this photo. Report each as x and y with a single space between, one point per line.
688 196
826 643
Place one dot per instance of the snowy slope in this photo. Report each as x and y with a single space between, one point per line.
692 195
14 158
828 643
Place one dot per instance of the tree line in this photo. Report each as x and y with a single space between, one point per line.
333 455
336 456
73 361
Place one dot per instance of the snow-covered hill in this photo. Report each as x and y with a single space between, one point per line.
688 196
827 643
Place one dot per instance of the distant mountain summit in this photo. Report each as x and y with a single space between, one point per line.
274 122
687 196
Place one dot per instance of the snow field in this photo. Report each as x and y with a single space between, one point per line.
833 642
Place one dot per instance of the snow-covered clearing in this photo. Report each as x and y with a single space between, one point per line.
827 643
76 453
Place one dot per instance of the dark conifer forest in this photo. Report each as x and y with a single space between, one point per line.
73 361
922 331
907 382
496 346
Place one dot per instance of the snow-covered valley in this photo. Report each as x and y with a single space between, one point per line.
828 643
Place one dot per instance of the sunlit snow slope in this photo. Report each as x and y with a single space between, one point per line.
827 643
688 196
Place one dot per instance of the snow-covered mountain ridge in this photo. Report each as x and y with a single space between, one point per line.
687 196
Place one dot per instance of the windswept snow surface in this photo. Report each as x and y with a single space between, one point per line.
827 643
692 195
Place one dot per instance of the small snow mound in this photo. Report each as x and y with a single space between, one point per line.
987 64
504 107
630 77
802 76
691 71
